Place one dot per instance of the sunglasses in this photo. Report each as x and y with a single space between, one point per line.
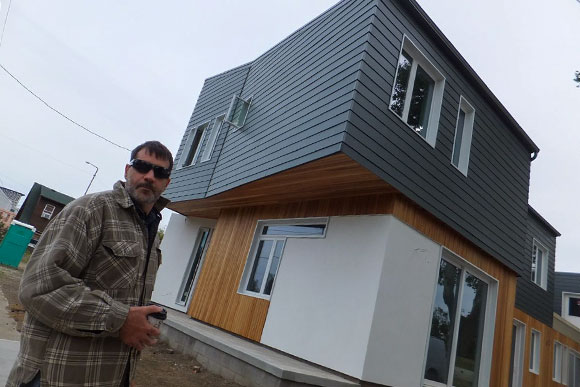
142 166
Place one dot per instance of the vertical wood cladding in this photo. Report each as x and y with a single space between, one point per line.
530 297
548 336
217 302
489 205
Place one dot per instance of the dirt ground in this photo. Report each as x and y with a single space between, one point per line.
159 365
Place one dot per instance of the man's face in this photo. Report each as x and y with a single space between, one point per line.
145 188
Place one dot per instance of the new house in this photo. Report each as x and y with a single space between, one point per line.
358 198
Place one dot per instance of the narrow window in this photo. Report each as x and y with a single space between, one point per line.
193 145
238 111
457 339
535 352
195 263
268 248
539 265
210 145
417 92
557 362
48 211
463 135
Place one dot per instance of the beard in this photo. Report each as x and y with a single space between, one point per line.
143 194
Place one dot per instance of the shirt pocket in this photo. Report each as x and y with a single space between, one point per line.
119 265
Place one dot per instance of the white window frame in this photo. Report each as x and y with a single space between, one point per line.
188 144
420 59
489 320
215 131
543 280
535 350
465 146
557 362
519 355
190 266
48 212
242 289
565 364
233 105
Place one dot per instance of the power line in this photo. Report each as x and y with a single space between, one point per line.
61 114
5 20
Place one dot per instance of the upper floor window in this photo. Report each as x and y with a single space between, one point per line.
461 338
48 211
238 111
213 135
193 145
267 250
540 264
417 92
463 134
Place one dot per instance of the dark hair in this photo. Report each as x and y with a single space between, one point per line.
157 149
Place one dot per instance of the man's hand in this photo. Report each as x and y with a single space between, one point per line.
136 331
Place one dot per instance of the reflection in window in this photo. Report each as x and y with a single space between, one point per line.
539 265
267 250
455 347
417 92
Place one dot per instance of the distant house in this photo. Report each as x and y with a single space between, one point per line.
40 206
13 196
6 217
358 198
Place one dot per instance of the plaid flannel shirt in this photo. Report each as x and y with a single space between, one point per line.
85 273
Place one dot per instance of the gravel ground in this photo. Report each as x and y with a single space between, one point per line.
159 366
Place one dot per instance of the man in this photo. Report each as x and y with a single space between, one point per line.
87 282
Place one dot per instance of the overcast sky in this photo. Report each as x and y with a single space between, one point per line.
131 71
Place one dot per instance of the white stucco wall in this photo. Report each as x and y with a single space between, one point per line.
402 318
325 292
176 247
358 301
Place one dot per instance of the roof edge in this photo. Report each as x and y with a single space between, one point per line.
536 214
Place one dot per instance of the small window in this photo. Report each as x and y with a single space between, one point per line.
210 145
463 134
238 111
417 92
268 248
48 211
193 145
540 265
557 362
535 351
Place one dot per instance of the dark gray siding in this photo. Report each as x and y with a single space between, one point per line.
564 282
489 206
531 298
302 91
191 182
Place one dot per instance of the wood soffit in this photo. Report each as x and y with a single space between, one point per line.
330 177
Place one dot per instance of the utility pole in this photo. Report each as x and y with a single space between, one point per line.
91 182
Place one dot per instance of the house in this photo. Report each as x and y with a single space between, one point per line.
358 198
13 196
40 206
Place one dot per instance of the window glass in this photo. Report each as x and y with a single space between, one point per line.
195 145
401 83
571 358
421 102
274 266
203 238
557 362
215 131
238 111
260 263
442 323
458 137
296 230
574 306
472 314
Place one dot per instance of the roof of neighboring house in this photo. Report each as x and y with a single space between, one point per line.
36 192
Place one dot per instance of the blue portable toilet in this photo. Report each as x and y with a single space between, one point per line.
15 241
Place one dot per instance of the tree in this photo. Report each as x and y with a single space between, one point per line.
577 78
